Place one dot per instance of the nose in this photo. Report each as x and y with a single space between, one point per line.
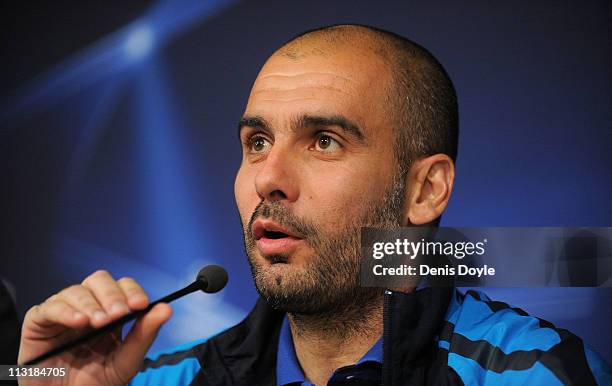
277 179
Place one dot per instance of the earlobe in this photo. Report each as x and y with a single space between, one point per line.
429 186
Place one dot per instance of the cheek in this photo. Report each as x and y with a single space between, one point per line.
339 195
245 193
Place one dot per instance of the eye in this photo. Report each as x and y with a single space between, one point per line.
258 144
326 144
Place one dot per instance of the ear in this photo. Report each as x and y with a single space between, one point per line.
428 188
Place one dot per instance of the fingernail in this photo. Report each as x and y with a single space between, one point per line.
99 315
77 315
119 308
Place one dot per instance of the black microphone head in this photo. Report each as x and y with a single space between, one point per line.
214 277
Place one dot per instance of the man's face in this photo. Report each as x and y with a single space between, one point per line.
317 165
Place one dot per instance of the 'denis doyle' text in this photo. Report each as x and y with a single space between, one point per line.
425 270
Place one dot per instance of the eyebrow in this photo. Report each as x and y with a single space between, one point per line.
255 121
349 127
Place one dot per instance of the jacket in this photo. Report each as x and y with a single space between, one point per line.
434 336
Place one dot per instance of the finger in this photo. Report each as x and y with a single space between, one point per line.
107 293
53 313
137 298
128 360
83 300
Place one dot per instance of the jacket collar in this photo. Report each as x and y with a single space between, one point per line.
246 354
412 324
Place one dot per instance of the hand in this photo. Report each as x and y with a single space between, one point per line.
97 301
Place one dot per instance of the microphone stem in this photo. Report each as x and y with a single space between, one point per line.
197 285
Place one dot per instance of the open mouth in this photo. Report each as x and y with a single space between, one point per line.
275 239
274 235
267 229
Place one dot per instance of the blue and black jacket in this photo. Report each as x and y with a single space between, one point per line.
435 336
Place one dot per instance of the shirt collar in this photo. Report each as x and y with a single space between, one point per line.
288 369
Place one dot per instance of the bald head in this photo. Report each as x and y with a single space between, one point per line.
420 96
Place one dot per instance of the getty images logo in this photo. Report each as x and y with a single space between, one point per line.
412 249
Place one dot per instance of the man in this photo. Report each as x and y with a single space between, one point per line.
345 127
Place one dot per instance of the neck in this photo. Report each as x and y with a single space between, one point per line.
325 342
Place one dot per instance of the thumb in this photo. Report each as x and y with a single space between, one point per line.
128 359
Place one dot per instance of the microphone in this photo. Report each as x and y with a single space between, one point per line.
210 279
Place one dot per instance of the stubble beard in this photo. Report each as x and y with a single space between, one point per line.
328 286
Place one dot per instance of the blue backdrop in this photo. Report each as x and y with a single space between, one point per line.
122 155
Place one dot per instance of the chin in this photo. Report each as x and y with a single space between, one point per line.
277 279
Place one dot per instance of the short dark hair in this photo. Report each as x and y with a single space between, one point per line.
422 96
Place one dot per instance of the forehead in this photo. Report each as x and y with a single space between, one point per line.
349 84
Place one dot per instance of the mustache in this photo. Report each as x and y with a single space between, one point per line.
281 214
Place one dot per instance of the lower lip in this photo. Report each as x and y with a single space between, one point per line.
278 246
